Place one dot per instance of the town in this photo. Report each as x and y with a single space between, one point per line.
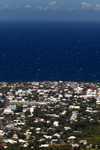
51 115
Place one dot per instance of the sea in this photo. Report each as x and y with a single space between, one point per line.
50 51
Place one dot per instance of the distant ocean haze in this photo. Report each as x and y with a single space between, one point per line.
49 50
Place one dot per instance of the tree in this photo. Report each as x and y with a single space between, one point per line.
19 109
27 113
10 134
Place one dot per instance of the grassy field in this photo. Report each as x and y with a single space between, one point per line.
27 103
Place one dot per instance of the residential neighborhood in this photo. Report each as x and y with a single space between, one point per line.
51 115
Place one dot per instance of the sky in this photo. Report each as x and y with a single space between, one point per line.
50 10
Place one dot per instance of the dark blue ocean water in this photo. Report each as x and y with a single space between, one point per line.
49 50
